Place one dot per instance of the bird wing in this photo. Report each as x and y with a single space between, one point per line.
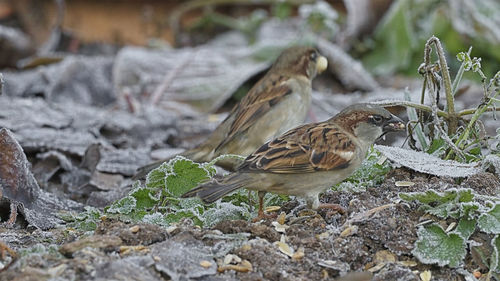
305 149
259 100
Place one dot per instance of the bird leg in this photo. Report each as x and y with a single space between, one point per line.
313 203
261 215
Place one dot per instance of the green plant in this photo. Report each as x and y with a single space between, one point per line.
371 173
157 200
447 133
470 212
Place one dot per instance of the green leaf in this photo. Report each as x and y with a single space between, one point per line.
495 256
145 198
371 173
413 118
156 178
465 195
123 206
87 220
186 175
177 216
437 147
224 211
465 228
490 222
428 196
394 39
434 245
454 203
156 218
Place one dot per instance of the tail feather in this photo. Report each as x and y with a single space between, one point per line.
212 191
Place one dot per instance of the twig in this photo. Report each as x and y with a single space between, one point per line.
169 77
470 111
450 104
437 125
55 35
460 74
390 103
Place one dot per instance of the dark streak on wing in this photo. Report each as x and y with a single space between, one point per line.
305 149
259 100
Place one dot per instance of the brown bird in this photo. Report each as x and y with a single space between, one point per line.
307 160
278 102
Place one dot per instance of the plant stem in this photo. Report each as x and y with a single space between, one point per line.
480 110
412 115
423 107
450 103
460 74
473 110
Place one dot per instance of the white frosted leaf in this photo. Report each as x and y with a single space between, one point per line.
428 164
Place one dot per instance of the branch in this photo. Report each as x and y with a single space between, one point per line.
423 107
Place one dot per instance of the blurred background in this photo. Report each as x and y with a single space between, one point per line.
387 35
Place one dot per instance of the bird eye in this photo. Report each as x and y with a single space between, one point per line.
313 56
377 119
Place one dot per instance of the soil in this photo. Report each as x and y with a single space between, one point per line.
374 238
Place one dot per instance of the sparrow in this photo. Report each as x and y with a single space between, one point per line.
308 159
278 102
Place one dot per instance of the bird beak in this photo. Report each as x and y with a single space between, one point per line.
321 64
394 124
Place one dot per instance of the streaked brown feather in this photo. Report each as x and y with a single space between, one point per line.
305 149
260 99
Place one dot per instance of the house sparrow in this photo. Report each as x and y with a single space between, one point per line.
307 160
279 101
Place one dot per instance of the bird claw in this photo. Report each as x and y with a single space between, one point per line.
262 216
332 208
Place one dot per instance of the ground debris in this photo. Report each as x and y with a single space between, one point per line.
182 260
105 242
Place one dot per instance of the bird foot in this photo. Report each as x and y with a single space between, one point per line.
263 216
332 208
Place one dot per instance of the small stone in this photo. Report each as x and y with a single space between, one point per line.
299 254
281 218
134 229
404 183
281 228
230 258
408 263
377 267
246 247
426 275
96 241
205 264
284 248
270 209
323 235
244 266
384 256
350 230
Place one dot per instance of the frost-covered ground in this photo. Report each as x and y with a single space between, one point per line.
87 123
